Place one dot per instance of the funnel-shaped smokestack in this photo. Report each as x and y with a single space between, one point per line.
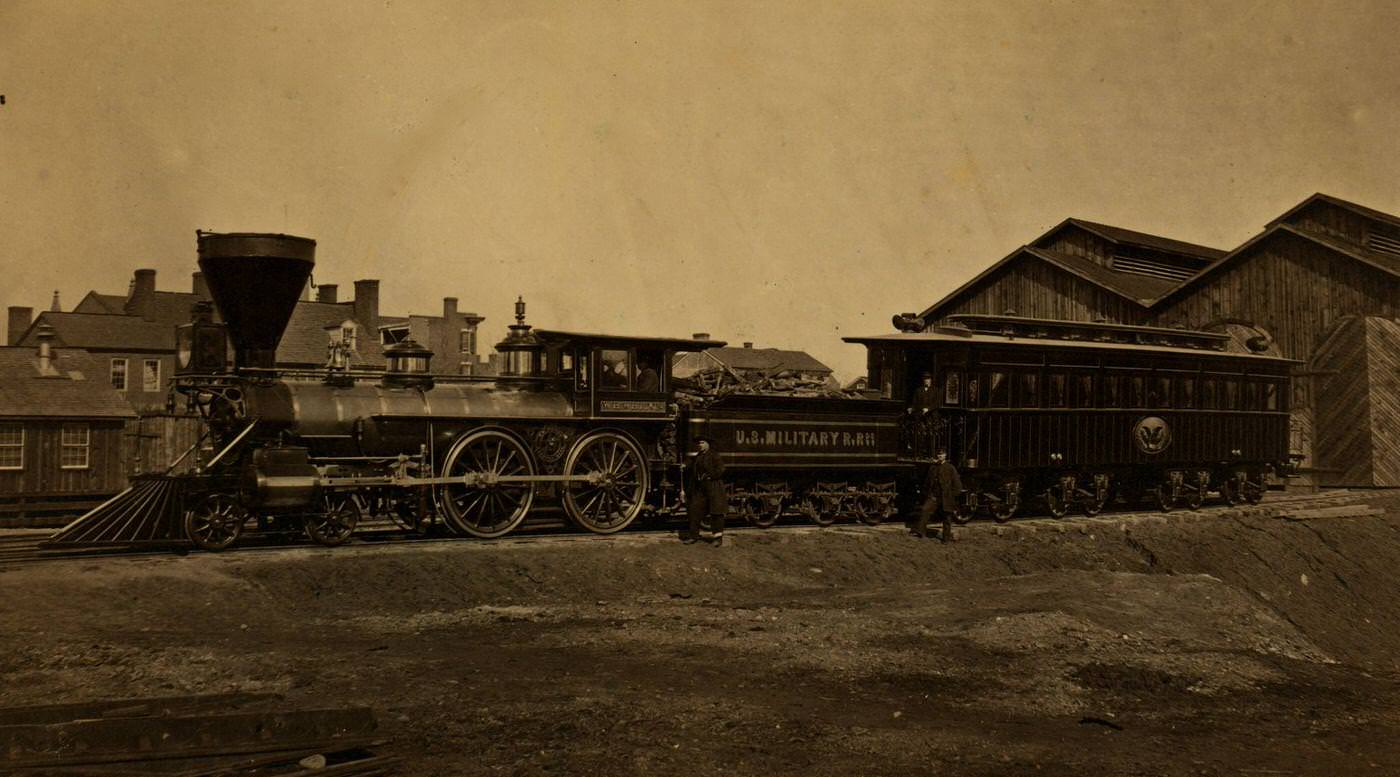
255 280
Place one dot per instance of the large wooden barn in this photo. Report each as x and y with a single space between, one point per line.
1323 280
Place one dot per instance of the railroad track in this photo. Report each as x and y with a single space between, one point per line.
23 549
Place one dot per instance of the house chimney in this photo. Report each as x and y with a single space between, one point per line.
748 345
367 304
199 286
449 308
700 336
45 336
326 293
143 293
20 319
55 306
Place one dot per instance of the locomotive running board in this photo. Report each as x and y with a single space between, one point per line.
469 479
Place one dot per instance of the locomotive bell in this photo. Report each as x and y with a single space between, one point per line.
255 280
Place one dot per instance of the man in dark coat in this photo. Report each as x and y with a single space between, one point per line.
941 490
920 416
707 495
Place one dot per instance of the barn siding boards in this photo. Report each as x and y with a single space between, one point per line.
1383 379
1294 288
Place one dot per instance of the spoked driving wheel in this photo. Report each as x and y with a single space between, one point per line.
482 504
216 522
336 522
615 491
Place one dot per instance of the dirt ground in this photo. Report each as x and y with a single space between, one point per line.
1229 644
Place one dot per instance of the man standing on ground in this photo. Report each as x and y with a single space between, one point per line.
941 490
707 495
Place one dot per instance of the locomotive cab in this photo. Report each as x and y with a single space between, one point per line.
613 375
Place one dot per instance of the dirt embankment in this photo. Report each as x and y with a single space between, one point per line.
1129 645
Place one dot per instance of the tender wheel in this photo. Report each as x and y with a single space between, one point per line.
617 487
812 508
216 522
967 507
867 512
334 525
486 508
768 510
1005 507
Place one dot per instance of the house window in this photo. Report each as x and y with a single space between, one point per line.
119 374
11 446
467 341
150 375
391 335
74 441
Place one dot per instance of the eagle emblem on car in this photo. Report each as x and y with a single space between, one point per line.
1152 434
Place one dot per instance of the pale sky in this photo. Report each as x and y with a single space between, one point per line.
785 173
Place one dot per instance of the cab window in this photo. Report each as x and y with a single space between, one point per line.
581 369
614 369
648 372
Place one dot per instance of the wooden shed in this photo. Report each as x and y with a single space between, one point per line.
62 429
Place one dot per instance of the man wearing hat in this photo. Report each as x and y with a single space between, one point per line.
941 489
707 495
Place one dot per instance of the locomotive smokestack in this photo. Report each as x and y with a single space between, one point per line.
255 280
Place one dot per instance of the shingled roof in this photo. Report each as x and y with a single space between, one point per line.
1131 237
770 360
305 341
103 332
77 387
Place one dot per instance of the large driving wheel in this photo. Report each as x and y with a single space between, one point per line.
616 489
337 521
216 522
482 505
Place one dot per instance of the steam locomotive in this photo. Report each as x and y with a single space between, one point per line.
587 424
596 427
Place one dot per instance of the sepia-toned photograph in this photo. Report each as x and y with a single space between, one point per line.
646 387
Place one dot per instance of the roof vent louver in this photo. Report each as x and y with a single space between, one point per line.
1150 268
1383 244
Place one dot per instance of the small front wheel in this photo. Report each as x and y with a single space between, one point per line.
334 525
216 522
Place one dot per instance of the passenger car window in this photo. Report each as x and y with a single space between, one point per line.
998 390
1112 391
1055 390
952 387
1186 392
1270 395
1084 391
1029 392
1135 391
1232 395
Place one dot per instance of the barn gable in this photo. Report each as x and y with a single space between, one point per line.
1100 271
1040 283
